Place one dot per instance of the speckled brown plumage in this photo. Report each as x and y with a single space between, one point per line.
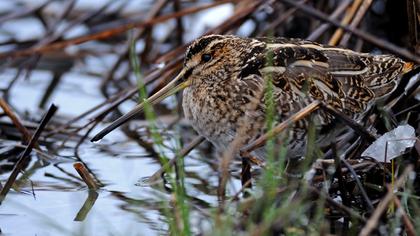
228 78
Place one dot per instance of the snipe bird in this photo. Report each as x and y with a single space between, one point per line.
225 77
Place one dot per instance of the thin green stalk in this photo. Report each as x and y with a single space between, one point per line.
178 187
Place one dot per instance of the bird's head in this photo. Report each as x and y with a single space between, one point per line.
210 57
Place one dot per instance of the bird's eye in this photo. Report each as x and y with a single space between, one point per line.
206 57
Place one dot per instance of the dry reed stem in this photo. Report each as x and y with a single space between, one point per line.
322 28
24 12
284 16
108 32
401 52
372 223
345 21
346 210
227 24
84 173
409 227
348 121
182 153
307 110
19 164
356 20
154 11
26 135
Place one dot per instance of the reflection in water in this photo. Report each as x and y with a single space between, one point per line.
87 206
59 193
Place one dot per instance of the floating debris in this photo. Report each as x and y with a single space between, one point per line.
394 143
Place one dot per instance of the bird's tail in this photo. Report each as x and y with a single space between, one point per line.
409 66
408 72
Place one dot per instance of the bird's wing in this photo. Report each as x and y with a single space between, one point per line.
303 71
379 73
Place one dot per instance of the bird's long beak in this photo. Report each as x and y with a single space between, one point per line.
166 91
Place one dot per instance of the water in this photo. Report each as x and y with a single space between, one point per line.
58 194
50 199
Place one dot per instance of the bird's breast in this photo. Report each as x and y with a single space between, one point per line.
212 114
